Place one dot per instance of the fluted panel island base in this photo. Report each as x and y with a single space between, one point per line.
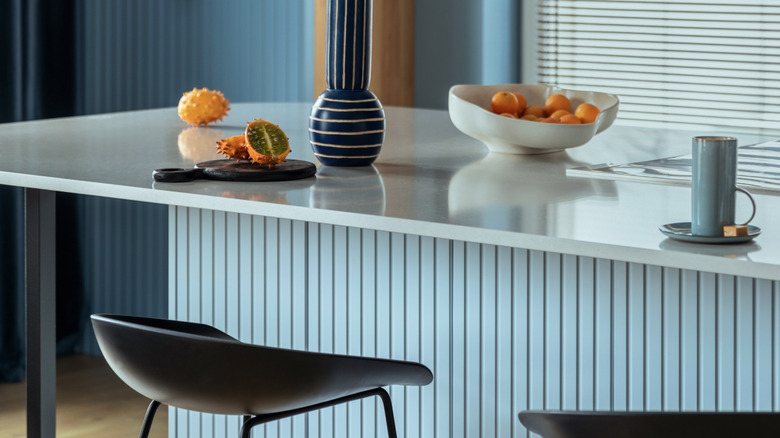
503 329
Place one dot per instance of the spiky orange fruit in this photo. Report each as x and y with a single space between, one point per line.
203 106
266 142
233 147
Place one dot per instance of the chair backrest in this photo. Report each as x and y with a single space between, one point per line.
197 367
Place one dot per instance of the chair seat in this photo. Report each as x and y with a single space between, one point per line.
583 424
197 367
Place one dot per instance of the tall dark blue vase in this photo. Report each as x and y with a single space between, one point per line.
347 123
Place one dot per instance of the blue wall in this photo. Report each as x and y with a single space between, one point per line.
464 42
143 54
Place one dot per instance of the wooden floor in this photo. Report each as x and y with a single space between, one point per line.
91 402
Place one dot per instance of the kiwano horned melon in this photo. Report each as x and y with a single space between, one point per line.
266 142
233 147
203 106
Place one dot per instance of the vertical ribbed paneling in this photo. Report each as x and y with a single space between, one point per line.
145 53
120 275
503 329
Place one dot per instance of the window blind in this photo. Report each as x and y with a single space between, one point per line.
691 64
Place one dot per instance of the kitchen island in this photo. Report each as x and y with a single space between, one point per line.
520 287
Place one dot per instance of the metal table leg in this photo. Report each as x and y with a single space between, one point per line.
40 304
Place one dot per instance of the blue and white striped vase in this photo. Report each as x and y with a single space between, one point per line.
347 123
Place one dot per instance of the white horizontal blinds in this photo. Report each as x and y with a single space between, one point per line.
694 64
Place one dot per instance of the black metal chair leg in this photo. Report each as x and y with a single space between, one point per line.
389 417
148 418
247 425
246 428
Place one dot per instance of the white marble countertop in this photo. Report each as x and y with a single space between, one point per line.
429 180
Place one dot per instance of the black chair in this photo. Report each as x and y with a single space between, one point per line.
583 424
197 367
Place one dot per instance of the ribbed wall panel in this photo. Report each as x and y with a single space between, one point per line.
145 53
119 275
503 329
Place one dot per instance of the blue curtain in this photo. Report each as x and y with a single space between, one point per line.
11 303
38 53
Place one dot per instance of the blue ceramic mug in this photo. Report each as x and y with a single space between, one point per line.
714 184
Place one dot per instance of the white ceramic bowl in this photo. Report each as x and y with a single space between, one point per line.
468 103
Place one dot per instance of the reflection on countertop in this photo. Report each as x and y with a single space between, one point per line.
521 188
273 197
199 144
352 189
272 192
732 251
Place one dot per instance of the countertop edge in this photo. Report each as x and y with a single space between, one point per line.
659 257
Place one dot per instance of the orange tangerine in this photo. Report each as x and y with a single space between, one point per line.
529 117
557 102
521 103
558 114
551 120
510 115
587 113
571 119
504 102
534 110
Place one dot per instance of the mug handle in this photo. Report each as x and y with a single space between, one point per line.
752 201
